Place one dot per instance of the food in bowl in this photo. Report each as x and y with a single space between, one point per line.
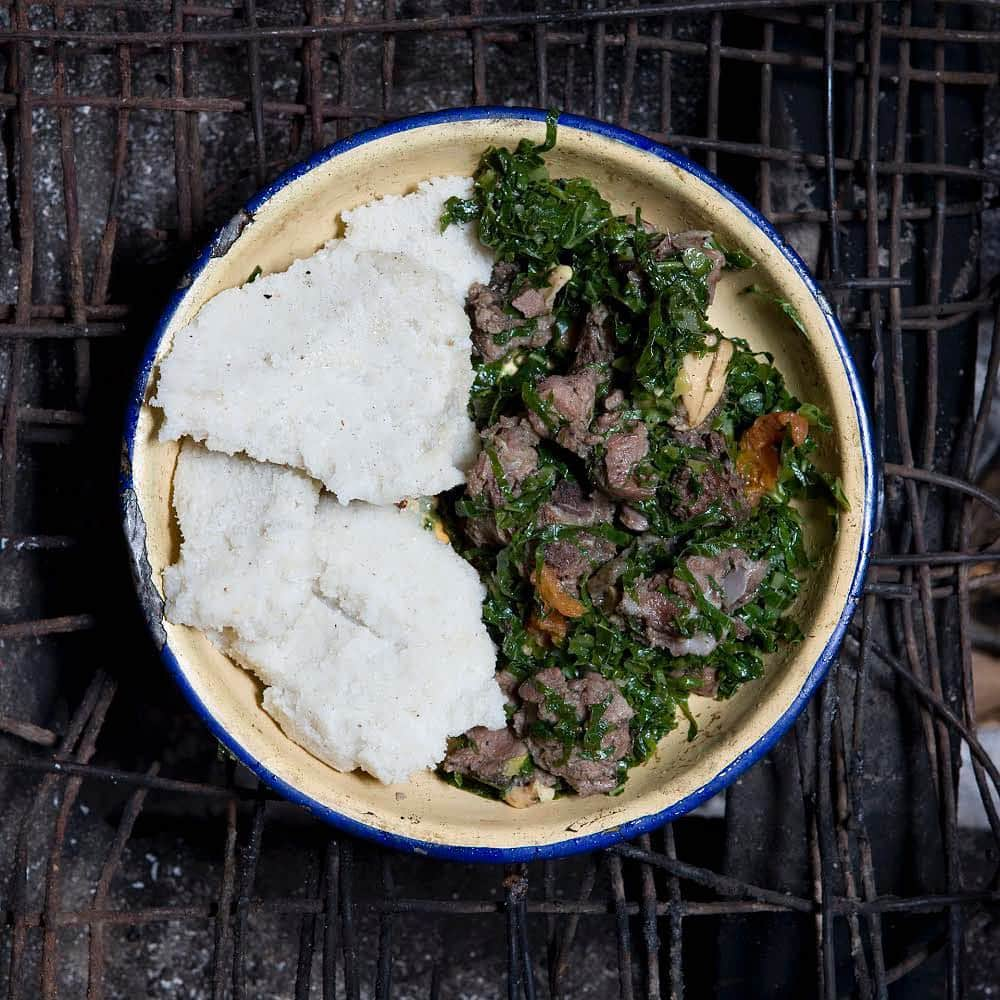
352 365
629 509
365 629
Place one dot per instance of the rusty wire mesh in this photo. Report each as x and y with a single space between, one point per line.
130 130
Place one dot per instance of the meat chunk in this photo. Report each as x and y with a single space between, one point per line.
569 505
515 445
603 585
632 519
499 758
709 683
713 276
623 451
571 398
713 486
660 603
589 772
675 243
483 531
606 423
493 322
711 442
494 756
613 400
693 239
571 559
509 684
718 484
531 303
656 610
729 579
596 345
486 303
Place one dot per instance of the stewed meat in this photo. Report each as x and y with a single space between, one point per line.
613 400
693 239
623 451
716 484
711 442
493 321
603 587
659 603
589 772
571 399
571 559
674 243
709 682
493 756
514 444
509 684
649 602
632 519
487 303
713 486
728 579
568 505
483 531
497 757
530 303
596 345
660 610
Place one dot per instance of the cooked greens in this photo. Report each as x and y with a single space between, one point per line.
783 304
623 544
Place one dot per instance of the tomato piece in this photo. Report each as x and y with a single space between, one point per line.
554 597
549 624
758 457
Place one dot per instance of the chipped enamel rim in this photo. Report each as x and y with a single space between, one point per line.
152 603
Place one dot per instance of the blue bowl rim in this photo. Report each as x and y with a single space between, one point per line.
752 754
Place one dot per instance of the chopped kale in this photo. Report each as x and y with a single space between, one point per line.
657 305
783 304
753 387
736 259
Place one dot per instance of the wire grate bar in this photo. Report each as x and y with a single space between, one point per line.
131 129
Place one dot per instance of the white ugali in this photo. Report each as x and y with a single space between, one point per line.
354 364
365 628
411 225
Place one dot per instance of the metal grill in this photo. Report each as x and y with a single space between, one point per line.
136 861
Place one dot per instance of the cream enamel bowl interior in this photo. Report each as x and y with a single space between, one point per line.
294 218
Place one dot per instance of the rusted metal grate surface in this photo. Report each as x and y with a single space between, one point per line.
134 861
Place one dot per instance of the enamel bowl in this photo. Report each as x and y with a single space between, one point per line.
293 218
